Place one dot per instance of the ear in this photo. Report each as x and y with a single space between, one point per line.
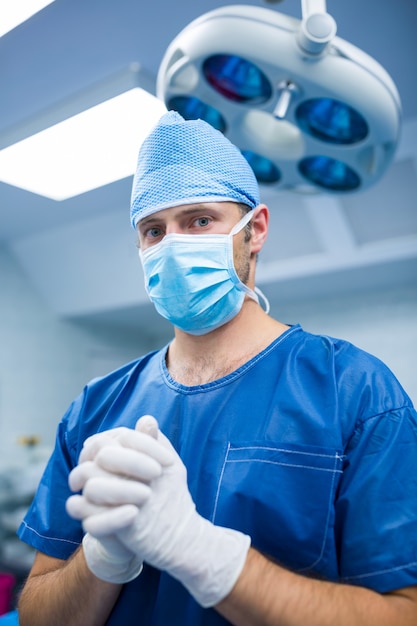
259 225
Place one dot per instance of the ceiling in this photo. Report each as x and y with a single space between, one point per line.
80 253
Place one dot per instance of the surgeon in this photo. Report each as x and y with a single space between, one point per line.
249 472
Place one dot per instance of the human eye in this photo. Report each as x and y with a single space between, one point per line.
202 221
150 234
154 232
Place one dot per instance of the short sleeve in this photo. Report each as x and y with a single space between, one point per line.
47 526
376 506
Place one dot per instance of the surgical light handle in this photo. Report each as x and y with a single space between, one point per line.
317 27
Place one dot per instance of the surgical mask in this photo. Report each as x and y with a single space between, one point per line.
192 281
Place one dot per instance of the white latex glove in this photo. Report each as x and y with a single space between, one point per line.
108 558
168 533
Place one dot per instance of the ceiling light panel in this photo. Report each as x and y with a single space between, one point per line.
16 12
93 148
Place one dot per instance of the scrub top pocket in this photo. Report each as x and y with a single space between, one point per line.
283 497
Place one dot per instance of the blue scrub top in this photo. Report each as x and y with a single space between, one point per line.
310 448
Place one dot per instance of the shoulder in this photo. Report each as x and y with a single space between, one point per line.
360 378
344 354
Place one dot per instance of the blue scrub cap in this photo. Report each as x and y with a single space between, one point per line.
185 162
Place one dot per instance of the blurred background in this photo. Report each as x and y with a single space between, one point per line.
72 302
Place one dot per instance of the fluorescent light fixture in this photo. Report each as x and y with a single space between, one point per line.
15 12
88 150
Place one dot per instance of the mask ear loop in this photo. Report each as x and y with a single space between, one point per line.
237 228
266 306
242 222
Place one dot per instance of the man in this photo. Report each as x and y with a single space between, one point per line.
272 478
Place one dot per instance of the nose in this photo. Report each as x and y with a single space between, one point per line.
172 228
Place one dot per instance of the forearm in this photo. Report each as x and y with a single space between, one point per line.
69 595
266 594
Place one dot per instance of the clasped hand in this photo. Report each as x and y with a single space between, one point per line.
135 506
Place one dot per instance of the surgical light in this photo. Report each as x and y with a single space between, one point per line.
192 108
308 110
237 79
329 173
264 169
330 120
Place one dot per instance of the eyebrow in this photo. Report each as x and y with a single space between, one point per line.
190 209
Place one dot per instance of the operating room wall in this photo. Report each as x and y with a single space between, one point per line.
45 361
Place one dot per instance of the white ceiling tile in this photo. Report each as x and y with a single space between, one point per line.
387 210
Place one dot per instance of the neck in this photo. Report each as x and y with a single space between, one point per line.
193 360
